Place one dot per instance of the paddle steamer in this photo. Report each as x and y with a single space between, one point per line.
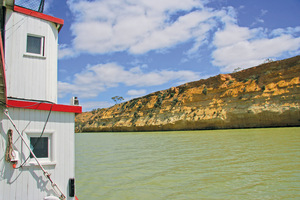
37 158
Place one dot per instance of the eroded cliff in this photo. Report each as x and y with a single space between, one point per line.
264 96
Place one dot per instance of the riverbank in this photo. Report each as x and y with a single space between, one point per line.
264 96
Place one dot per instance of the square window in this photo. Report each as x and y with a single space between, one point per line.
40 147
43 147
35 45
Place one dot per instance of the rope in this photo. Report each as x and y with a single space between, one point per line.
9 146
46 174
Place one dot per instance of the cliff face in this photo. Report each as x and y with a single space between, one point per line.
264 96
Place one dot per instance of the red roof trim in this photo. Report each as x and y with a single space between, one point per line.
43 106
39 15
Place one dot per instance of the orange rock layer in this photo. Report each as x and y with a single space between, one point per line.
264 96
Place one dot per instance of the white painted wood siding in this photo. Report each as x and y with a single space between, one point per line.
29 183
30 77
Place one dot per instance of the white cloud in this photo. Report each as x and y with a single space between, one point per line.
98 78
66 52
187 27
259 19
83 90
231 35
244 47
137 26
136 92
87 106
288 31
140 26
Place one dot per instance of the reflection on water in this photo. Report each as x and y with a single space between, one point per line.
218 164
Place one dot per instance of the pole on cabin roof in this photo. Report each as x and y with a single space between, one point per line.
41 8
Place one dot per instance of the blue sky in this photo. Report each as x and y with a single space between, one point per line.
131 48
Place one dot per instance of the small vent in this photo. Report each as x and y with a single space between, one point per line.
74 101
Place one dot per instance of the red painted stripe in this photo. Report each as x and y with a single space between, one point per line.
43 106
39 15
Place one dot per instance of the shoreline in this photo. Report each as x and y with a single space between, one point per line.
270 127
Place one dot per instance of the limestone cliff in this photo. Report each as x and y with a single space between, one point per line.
264 96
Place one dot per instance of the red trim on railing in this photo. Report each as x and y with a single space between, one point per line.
39 15
3 66
43 106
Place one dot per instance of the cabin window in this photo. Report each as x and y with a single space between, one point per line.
35 44
40 147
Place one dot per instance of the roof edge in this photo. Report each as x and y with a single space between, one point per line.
42 106
32 13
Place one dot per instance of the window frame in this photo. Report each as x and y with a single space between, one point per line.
50 160
42 47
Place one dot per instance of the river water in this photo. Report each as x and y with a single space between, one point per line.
217 164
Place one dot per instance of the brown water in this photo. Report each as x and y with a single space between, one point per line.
217 164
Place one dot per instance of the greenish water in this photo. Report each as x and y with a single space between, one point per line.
217 164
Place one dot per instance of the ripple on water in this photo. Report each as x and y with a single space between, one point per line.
224 164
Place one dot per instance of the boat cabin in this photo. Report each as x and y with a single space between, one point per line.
37 152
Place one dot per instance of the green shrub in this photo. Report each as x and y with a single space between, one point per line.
204 91
181 90
174 102
135 115
255 78
164 96
133 102
140 106
158 102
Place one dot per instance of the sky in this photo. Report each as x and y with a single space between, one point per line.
131 48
